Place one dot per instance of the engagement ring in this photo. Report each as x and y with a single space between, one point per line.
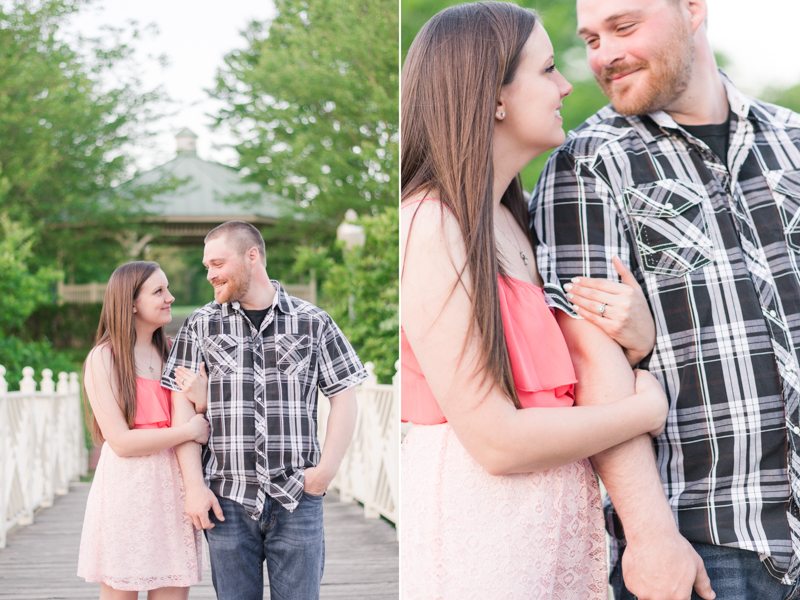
602 309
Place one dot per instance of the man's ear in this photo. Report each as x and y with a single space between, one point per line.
698 12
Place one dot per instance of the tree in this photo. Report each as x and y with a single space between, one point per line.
64 131
313 101
361 289
21 291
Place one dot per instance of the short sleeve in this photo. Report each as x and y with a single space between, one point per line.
186 352
575 220
339 365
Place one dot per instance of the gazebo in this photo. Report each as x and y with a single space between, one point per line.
185 214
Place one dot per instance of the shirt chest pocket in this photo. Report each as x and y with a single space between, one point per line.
223 352
785 186
292 353
670 226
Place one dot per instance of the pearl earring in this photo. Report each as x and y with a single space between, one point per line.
502 115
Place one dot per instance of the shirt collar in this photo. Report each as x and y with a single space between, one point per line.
281 300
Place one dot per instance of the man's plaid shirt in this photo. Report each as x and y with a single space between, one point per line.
262 393
716 249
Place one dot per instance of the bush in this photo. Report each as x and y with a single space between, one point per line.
15 354
66 326
368 273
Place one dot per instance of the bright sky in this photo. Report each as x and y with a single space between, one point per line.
759 38
194 35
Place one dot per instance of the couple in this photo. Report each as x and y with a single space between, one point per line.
257 487
696 188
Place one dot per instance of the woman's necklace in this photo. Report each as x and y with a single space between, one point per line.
514 241
150 361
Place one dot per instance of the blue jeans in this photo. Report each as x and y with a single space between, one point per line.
735 575
292 543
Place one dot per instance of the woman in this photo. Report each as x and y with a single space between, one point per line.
136 535
498 498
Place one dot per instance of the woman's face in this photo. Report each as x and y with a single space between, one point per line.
153 305
532 101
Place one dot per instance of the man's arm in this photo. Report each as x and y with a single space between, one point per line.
199 499
339 433
658 562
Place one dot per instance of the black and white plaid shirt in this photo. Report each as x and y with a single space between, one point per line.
716 249
262 393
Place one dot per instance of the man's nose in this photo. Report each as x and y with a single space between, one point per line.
609 52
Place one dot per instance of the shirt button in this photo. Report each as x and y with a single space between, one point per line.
668 206
772 313
793 428
753 253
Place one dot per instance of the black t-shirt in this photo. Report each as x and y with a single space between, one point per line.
256 316
714 136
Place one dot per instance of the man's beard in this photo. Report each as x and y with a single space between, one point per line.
669 74
237 287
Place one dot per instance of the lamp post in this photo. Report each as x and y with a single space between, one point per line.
353 236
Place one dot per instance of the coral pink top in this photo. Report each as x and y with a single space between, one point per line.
540 361
153 404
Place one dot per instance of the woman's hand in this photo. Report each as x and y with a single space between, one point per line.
651 391
626 316
198 429
194 385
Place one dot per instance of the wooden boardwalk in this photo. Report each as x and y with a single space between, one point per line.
40 560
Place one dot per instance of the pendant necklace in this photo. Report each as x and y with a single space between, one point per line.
514 241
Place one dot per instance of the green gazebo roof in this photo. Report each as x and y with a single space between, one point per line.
208 185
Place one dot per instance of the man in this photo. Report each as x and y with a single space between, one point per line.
697 187
262 472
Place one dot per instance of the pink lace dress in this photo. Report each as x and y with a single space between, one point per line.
467 534
135 533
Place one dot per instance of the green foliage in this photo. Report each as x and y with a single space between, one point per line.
66 326
789 97
313 100
15 354
64 134
368 273
21 290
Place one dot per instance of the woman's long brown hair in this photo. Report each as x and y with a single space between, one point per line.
450 85
118 333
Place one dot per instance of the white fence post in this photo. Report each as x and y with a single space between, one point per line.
369 472
38 439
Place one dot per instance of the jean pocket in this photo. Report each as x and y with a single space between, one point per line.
222 351
670 226
785 186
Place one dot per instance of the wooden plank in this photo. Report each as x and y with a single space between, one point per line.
41 559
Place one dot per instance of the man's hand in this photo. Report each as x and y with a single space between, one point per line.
199 501
664 567
317 480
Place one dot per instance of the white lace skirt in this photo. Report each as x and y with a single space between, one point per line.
466 534
136 535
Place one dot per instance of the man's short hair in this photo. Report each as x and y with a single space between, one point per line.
242 236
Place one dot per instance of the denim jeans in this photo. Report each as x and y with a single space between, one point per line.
292 543
735 575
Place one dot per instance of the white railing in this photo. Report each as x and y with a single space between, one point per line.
370 471
41 444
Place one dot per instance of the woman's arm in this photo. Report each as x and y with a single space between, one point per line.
626 317
101 390
194 386
436 319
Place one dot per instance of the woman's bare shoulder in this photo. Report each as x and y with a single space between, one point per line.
100 357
